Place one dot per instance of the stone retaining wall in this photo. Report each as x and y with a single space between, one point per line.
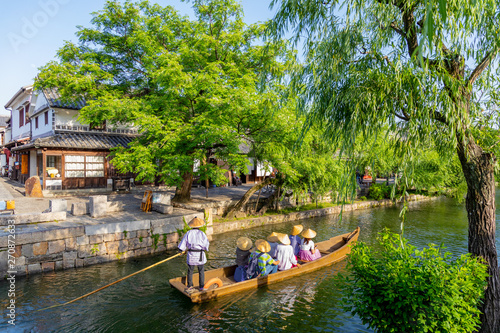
223 227
70 247
220 207
80 246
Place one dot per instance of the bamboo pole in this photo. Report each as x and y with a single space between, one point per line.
112 283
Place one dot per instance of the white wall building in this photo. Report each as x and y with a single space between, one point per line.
48 140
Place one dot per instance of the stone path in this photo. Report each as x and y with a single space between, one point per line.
13 190
4 192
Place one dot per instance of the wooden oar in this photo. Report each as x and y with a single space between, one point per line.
112 283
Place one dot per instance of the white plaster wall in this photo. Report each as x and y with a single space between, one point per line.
8 135
39 102
263 170
67 117
18 132
70 118
23 131
42 130
32 163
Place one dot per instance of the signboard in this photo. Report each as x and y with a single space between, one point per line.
53 182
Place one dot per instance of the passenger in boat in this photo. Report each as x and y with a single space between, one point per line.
272 239
265 264
284 253
295 240
243 245
308 251
196 243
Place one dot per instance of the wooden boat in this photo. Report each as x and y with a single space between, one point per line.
332 250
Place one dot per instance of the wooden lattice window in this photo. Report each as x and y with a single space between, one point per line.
79 166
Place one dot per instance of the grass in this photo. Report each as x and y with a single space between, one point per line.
309 206
312 206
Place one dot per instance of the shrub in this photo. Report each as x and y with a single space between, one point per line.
362 198
403 289
379 191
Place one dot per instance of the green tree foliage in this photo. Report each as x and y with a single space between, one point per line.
193 88
376 155
379 192
403 289
316 167
423 72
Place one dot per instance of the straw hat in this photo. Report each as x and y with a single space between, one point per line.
244 243
297 229
262 245
196 223
309 233
273 237
283 238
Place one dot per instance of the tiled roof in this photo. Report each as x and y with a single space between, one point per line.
26 89
244 148
80 141
3 121
54 99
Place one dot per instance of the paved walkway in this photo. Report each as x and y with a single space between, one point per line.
5 193
132 201
13 190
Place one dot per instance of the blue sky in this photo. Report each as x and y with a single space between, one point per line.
31 31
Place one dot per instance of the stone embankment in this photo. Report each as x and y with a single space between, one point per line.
47 247
34 251
223 227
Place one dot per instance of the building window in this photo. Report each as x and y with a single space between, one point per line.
27 114
21 118
94 166
79 166
53 166
36 122
46 117
74 166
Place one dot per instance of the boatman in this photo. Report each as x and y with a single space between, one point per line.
196 243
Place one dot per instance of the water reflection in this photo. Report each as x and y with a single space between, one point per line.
147 303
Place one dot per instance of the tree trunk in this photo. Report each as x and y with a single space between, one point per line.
246 197
257 203
183 193
268 203
477 167
278 199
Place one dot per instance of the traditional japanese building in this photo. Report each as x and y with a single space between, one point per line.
4 137
48 140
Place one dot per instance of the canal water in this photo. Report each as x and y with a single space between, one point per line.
146 303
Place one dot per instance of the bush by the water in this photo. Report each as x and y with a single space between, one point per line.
403 289
379 191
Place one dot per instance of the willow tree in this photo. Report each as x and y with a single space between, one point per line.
192 87
427 69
